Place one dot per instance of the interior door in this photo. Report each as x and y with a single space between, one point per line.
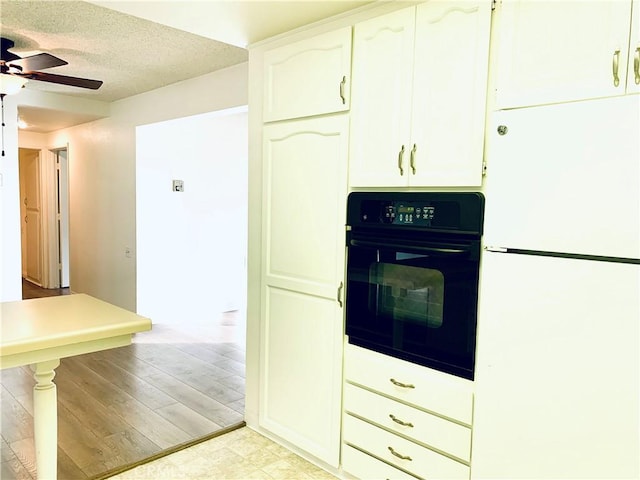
31 218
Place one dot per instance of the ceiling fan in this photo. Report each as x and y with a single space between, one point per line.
27 67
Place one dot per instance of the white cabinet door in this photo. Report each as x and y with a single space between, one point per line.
566 178
310 77
557 369
552 51
381 100
449 92
304 190
419 96
633 67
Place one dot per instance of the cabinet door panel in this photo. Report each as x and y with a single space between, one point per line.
633 68
302 371
305 192
558 51
304 78
449 92
303 262
381 99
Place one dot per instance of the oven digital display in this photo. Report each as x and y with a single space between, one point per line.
413 214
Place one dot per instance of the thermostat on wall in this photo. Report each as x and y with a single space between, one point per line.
178 186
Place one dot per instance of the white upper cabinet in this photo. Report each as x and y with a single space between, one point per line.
309 77
449 92
418 100
381 99
560 51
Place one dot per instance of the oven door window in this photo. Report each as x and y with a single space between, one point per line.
407 294
415 306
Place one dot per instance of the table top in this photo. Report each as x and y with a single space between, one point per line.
45 323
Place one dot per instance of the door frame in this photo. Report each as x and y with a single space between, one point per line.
52 265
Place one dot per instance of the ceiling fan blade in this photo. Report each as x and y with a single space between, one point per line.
5 54
39 61
64 80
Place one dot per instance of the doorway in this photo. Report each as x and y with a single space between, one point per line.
44 212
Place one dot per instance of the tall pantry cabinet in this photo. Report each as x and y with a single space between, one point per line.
304 191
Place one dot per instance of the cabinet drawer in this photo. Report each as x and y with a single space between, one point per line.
423 427
438 392
409 456
364 466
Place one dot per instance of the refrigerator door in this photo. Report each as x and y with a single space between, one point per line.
566 178
557 370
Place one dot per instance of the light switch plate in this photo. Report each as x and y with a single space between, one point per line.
178 186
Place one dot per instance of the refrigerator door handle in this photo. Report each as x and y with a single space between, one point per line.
490 248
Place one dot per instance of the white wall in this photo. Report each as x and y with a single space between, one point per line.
10 252
191 245
102 198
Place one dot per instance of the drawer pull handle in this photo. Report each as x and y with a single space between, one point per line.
400 422
399 455
400 384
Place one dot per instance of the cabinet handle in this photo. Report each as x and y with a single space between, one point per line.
400 155
26 219
636 65
400 422
342 84
616 61
399 455
339 294
412 159
400 384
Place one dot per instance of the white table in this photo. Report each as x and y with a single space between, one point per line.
40 332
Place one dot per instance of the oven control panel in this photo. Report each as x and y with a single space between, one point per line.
402 213
428 211
398 213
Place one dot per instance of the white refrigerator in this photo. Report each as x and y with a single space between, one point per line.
558 363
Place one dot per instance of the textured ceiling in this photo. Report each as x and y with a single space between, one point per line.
134 54
129 54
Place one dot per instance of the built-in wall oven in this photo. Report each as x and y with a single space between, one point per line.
412 276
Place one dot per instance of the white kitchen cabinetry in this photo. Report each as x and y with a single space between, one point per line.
419 95
399 415
305 163
560 51
309 77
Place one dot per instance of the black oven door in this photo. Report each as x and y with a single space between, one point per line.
414 299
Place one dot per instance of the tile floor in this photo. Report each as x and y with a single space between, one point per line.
240 454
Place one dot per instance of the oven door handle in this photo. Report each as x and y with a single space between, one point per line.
442 251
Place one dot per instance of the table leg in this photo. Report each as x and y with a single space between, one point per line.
45 419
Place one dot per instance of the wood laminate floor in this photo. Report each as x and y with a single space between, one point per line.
170 388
